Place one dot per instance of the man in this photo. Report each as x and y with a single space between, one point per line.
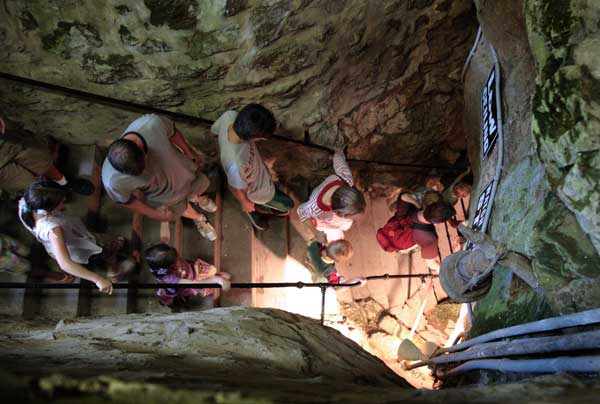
24 158
248 178
153 157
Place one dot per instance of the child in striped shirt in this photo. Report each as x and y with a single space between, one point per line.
334 203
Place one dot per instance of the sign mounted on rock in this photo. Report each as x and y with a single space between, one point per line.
489 115
483 205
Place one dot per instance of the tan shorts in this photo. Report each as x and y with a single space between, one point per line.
24 166
199 186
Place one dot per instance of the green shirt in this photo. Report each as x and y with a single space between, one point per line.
315 260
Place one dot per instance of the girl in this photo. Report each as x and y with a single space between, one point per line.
334 203
167 267
65 238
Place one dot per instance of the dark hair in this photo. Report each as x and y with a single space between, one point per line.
347 201
160 256
254 121
438 212
46 195
126 157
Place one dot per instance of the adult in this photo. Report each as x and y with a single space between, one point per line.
153 157
25 158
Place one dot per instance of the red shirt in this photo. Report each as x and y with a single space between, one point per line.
423 233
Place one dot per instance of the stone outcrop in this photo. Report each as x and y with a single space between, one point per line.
565 40
531 214
383 79
236 355
228 348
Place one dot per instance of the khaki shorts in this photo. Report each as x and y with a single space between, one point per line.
24 165
198 187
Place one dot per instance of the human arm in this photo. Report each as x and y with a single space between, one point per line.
188 150
225 283
138 206
340 166
240 195
59 249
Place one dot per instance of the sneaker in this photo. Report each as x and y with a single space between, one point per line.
258 221
206 229
206 204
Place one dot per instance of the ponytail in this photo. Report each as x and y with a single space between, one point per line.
40 197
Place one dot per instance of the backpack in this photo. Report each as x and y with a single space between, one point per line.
397 234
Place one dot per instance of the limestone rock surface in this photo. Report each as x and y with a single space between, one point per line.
227 347
383 79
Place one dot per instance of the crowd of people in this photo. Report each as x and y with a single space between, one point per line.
155 172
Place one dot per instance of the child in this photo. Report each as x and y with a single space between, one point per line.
322 259
167 267
334 203
411 226
65 238
248 177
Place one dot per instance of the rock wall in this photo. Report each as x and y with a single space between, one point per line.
383 79
565 40
238 348
531 214
233 355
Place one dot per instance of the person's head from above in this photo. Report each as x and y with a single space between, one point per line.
45 195
254 122
339 250
438 212
430 197
347 201
127 155
462 190
434 182
161 256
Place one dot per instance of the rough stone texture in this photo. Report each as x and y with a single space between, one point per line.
565 40
382 79
528 215
232 348
83 367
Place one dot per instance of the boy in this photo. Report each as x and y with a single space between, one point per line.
322 259
152 156
248 178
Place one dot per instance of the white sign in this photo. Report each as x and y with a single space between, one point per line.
489 118
483 205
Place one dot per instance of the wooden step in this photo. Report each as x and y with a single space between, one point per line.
236 254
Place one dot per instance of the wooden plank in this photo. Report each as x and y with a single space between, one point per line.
236 252
269 252
92 222
137 227
370 259
218 221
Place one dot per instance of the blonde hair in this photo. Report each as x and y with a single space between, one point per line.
339 250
